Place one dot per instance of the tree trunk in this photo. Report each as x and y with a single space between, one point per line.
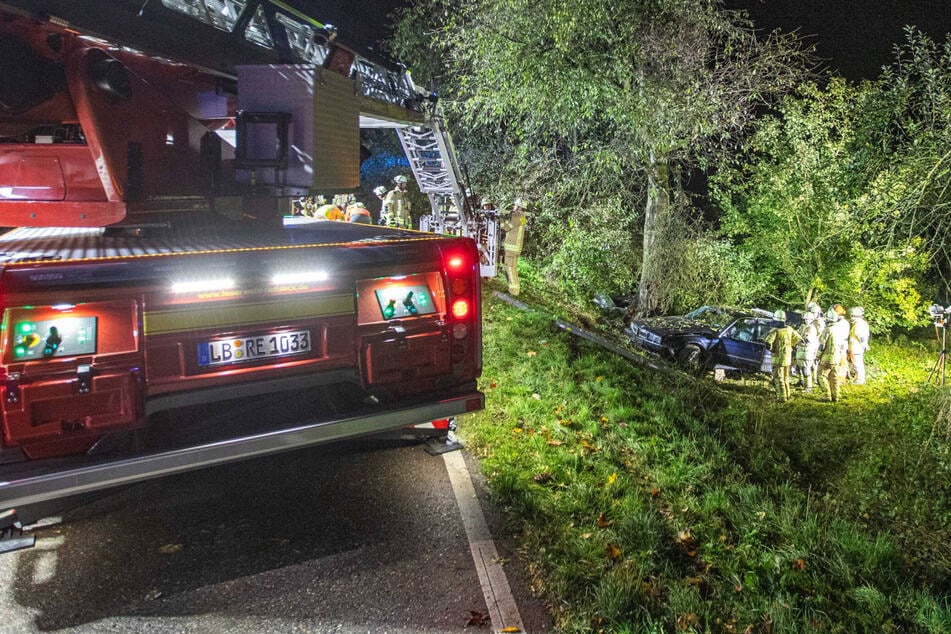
649 295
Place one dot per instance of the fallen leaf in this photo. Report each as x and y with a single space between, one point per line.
517 430
684 537
761 515
585 535
510 628
622 424
598 379
537 396
603 521
565 422
554 443
169 549
694 581
612 478
611 551
799 564
477 618
493 385
531 353
687 622
542 478
655 492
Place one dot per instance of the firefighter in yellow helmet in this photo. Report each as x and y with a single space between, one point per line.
396 204
781 342
834 344
514 227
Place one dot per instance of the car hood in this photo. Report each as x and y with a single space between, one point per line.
671 325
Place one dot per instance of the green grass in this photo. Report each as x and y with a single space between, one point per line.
650 502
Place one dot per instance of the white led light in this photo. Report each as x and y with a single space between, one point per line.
199 286
64 306
283 279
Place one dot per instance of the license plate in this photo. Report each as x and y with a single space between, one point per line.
242 349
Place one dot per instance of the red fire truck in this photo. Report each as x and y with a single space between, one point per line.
148 154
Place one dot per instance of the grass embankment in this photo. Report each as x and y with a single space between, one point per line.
645 502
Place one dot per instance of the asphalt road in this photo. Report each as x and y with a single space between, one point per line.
358 537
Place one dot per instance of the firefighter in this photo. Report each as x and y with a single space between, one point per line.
329 212
818 320
806 351
858 344
357 212
781 342
380 192
514 227
396 205
834 344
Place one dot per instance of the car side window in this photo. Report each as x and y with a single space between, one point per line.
743 330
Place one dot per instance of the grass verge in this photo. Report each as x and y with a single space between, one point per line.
649 503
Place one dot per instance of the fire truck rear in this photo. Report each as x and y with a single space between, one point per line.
151 273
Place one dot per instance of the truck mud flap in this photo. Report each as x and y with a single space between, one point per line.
42 487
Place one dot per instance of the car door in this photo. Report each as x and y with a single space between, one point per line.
741 345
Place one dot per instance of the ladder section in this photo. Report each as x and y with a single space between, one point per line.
276 25
432 157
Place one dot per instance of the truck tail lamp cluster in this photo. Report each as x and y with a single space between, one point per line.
461 264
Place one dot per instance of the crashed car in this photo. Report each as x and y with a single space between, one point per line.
709 338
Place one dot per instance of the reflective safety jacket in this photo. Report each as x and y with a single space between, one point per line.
329 212
781 342
514 228
809 347
396 207
858 336
835 343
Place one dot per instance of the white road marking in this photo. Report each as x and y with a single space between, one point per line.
495 585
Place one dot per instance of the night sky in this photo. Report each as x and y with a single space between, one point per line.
853 37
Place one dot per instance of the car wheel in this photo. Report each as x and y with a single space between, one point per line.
690 358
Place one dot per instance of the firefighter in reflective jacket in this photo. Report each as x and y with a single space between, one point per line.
858 344
514 228
807 350
329 212
781 342
833 364
396 205
358 213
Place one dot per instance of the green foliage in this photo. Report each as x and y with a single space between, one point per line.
649 503
624 90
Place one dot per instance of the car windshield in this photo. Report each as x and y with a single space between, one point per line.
710 316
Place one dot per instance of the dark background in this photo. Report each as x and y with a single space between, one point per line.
853 37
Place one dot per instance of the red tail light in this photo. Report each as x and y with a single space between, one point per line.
460 309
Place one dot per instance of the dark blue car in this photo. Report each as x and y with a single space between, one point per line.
711 337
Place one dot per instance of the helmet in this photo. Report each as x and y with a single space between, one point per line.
814 308
856 311
400 178
779 315
486 201
520 202
380 190
808 318
359 204
839 309
831 315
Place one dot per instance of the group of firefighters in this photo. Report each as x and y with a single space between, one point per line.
395 212
827 346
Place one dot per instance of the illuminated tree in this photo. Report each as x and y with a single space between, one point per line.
631 90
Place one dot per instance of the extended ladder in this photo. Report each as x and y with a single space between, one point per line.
432 158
